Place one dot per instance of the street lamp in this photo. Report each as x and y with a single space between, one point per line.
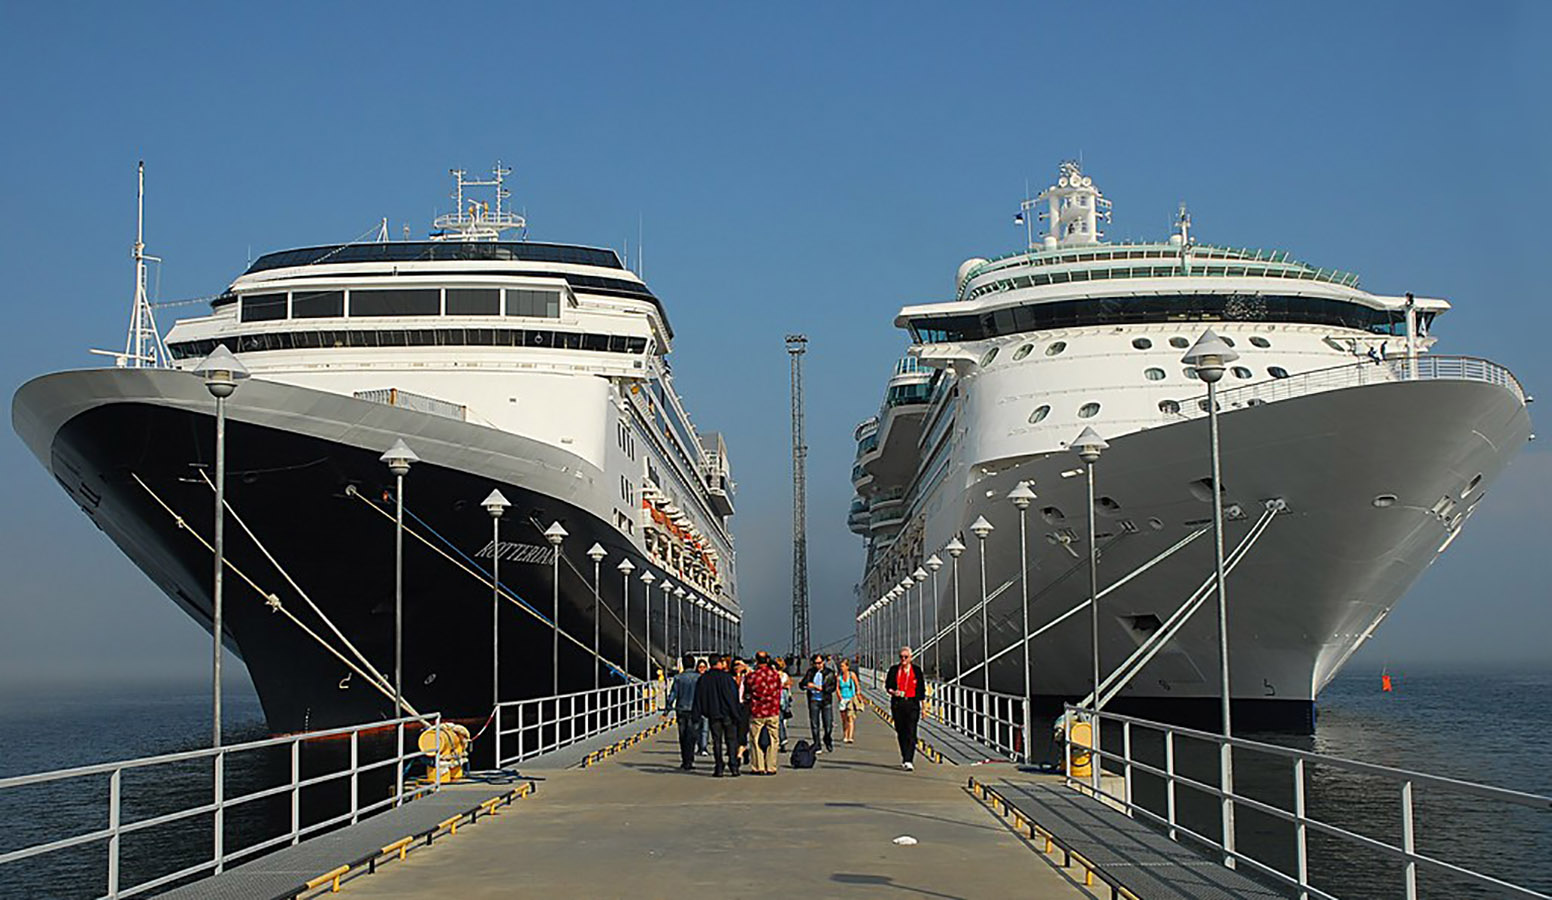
1209 356
903 615
1089 446
934 563
555 534
596 553
981 528
920 577
221 372
1021 496
668 591
956 549
647 578
679 593
495 504
398 458
625 569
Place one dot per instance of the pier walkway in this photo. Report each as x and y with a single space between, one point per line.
635 825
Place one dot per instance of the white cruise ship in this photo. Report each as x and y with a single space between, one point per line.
1352 455
539 370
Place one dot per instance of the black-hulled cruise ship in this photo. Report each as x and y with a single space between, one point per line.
534 369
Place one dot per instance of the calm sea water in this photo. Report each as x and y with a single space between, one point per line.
1492 727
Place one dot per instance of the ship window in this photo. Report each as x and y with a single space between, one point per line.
1023 351
541 304
1226 339
1277 372
1088 410
1241 372
317 304
1179 343
473 302
1259 341
396 302
1169 407
1153 374
1056 348
988 356
263 307
1141 343
1190 373
1039 414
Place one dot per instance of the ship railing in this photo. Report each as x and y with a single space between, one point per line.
529 728
992 719
1161 772
141 799
1368 372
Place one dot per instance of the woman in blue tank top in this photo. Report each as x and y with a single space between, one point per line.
846 686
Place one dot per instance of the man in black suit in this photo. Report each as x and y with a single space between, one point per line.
716 698
820 683
906 684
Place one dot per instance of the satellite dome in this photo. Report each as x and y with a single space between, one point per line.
965 268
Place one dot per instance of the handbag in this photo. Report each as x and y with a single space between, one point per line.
765 739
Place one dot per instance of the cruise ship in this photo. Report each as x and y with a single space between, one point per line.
1352 456
536 370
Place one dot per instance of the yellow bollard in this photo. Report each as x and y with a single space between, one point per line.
1081 760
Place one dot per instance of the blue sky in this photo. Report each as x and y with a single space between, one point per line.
796 168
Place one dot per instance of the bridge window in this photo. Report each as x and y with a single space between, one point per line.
541 304
263 307
317 304
396 302
473 302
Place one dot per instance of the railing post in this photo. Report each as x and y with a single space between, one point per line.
114 793
219 841
1126 762
398 771
296 791
1408 840
1169 781
355 776
497 724
1301 834
436 762
1028 735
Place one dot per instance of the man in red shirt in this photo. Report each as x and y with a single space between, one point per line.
762 689
906 684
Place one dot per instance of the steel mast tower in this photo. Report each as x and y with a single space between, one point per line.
797 345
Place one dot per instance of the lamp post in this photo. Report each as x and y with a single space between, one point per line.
1209 356
981 528
668 593
555 534
399 458
904 613
596 553
646 579
934 563
1089 446
679 625
625 569
920 577
1021 496
221 371
495 504
956 549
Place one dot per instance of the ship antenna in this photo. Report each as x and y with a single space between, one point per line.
143 345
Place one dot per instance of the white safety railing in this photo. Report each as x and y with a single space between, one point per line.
992 719
1142 738
528 728
120 797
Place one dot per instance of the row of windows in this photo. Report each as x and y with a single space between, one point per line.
1138 310
399 302
1165 271
1090 410
437 251
412 337
625 440
1086 411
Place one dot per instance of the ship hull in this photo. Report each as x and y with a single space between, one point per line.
315 506
1325 573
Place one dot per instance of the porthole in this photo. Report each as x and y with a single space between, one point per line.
988 356
1277 372
1141 343
1039 414
1384 500
1242 372
1107 506
1022 352
1259 341
1088 410
1226 339
1169 407
1179 343
1056 348
1153 374
1053 515
1190 373
1471 485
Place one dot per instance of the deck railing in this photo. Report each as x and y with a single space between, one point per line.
525 729
118 797
992 719
1158 762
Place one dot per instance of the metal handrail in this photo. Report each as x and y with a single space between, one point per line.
219 804
1358 374
547 724
1408 780
992 719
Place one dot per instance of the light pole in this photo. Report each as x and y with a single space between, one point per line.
399 458
495 504
646 579
1209 356
903 613
221 372
679 625
934 563
1021 496
625 569
981 528
920 577
956 549
596 553
1089 446
555 534
668 593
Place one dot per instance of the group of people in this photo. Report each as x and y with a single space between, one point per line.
741 710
